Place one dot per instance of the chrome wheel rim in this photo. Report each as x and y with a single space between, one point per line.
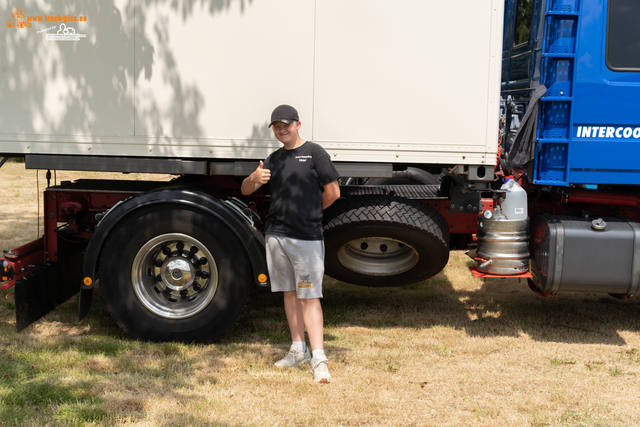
378 256
174 276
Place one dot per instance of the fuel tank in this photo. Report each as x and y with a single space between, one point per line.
503 244
503 235
596 254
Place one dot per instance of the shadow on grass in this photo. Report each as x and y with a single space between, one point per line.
499 307
68 373
38 362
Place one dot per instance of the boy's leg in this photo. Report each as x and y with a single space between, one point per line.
303 308
308 263
283 280
314 322
296 354
293 310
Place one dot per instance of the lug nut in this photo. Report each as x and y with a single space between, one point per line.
192 251
158 262
180 246
166 250
202 261
204 274
197 287
184 292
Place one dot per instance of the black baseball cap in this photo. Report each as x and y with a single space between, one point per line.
285 114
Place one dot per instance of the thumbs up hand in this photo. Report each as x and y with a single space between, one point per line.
261 175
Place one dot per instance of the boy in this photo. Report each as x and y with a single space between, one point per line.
304 181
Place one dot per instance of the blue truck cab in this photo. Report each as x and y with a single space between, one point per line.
587 55
571 137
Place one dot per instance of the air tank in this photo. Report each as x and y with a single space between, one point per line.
503 234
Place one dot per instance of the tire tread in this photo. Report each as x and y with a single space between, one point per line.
400 214
389 209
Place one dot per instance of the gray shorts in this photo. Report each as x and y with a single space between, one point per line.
295 265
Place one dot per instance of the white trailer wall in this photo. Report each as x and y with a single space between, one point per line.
404 81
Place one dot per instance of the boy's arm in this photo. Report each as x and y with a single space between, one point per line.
254 181
331 193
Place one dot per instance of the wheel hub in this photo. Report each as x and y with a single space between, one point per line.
378 256
174 276
177 273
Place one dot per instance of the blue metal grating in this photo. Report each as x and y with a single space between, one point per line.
551 177
561 34
555 120
559 72
564 6
552 167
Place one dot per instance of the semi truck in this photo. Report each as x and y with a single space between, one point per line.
510 124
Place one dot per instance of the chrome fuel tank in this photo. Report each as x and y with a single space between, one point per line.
503 234
503 244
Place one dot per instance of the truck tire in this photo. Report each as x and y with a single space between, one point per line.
384 241
410 176
172 273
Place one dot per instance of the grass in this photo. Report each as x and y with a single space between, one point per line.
453 350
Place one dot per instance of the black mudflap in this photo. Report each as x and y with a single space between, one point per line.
41 292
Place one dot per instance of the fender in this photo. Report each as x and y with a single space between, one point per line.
192 196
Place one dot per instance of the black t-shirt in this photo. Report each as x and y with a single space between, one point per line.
297 178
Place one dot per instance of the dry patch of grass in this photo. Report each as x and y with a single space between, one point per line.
55 329
453 350
21 192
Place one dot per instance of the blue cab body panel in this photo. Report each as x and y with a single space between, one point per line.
606 99
589 122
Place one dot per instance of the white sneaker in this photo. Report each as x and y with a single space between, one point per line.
293 357
319 370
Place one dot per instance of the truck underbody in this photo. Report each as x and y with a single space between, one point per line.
546 183
376 235
152 243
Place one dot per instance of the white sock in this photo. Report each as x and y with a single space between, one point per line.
318 353
301 345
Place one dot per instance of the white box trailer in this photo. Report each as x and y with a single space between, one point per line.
373 81
398 91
